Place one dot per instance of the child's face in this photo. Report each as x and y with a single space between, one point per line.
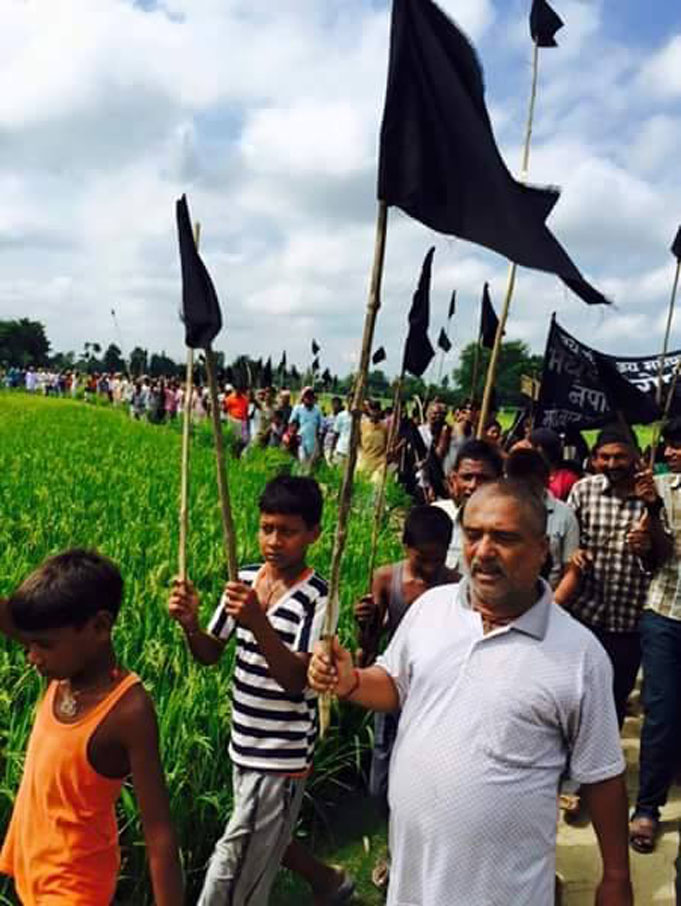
284 539
64 652
427 560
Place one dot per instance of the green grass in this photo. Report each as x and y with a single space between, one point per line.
74 474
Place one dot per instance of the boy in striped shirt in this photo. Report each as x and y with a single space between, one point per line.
277 612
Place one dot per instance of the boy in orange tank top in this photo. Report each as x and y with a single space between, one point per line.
94 727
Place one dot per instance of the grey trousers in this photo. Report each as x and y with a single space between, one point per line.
246 858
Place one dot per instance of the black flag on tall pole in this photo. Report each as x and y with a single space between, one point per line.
443 341
267 376
418 350
452 306
315 347
200 307
676 246
489 323
379 356
439 161
544 23
282 363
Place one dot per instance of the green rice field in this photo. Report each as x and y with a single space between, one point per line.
76 474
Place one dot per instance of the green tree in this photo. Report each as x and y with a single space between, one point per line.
23 342
162 366
515 360
138 361
113 359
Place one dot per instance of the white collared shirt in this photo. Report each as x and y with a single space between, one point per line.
489 725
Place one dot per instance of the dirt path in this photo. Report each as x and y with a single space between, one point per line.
653 875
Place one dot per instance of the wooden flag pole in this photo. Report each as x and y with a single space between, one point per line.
667 333
373 306
184 467
513 269
228 532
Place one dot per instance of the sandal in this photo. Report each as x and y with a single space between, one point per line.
643 833
571 806
380 874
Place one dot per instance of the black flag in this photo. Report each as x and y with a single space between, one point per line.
418 351
200 306
489 323
379 356
315 347
326 377
439 161
315 366
282 364
544 23
267 373
443 341
452 306
676 246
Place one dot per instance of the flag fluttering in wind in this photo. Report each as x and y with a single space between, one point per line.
452 307
418 351
443 341
489 323
379 356
676 246
326 377
200 307
315 366
544 23
315 347
439 161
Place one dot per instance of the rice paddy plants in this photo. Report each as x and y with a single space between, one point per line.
72 474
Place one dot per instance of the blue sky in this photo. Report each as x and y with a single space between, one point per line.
267 115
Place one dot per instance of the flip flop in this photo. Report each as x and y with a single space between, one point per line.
643 833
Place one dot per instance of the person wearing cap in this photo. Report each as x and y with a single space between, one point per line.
309 418
621 536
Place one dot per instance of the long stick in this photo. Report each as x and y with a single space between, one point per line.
494 359
476 368
184 467
665 343
228 532
373 305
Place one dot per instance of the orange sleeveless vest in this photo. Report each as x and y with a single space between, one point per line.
62 843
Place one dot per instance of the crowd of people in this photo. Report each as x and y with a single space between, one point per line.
539 576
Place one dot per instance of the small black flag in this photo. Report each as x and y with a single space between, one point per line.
443 341
439 161
418 351
315 347
379 356
489 323
544 23
452 306
676 246
200 306
282 364
267 373
315 366
326 377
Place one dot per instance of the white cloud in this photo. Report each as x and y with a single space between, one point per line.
662 73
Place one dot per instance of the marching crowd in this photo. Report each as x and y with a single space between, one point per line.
499 655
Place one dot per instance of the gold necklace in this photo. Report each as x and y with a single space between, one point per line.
70 701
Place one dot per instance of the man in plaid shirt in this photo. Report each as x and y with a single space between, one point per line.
618 511
660 628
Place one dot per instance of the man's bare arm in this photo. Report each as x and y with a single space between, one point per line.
608 808
371 688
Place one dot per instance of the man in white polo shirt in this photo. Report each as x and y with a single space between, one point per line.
501 692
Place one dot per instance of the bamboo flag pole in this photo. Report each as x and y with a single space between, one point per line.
373 305
667 333
513 269
228 532
184 468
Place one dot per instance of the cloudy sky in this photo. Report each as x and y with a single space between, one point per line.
266 112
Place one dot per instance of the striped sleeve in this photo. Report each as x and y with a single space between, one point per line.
221 625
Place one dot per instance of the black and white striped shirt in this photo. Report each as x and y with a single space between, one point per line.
274 730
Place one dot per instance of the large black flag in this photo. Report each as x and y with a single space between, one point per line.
443 341
544 23
315 347
452 307
489 323
200 306
379 356
439 161
418 351
676 246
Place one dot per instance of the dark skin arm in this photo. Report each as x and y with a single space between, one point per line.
288 668
336 674
656 545
370 613
183 607
608 808
132 729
